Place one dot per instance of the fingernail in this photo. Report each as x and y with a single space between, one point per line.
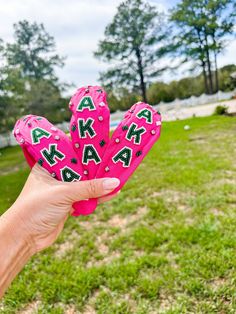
111 183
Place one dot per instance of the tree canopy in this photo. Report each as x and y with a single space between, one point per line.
33 51
201 29
132 44
28 83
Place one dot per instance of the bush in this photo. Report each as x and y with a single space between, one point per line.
220 110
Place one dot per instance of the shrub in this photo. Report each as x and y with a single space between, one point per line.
220 110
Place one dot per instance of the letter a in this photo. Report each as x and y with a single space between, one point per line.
124 155
146 114
86 102
37 134
69 175
90 153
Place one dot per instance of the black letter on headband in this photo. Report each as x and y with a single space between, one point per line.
52 153
124 155
37 134
86 127
69 175
135 132
146 114
90 153
86 102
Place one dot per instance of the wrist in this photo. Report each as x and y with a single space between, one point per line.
16 233
15 250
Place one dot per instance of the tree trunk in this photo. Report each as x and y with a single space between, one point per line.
202 59
141 76
216 73
209 72
209 66
205 77
216 65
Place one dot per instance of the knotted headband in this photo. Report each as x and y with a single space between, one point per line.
90 154
89 129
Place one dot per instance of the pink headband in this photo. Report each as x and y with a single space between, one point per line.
91 154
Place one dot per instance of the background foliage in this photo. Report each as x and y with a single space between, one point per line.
140 44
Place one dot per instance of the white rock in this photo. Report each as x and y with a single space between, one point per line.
186 127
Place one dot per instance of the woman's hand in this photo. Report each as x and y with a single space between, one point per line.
45 203
38 215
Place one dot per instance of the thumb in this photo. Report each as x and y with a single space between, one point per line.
92 188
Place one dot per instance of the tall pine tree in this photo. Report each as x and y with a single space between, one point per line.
132 43
34 51
201 30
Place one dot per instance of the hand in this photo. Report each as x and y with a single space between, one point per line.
45 203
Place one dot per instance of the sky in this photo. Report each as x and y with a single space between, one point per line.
77 26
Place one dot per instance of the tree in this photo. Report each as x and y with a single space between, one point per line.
226 77
132 44
220 25
28 83
44 98
190 86
160 91
33 51
11 87
201 29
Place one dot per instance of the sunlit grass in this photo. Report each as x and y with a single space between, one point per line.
166 244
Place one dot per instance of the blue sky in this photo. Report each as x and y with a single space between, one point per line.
77 26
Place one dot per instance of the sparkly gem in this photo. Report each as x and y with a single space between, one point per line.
76 145
102 104
39 118
53 174
22 141
53 128
100 118
139 153
73 128
86 172
70 103
40 161
99 90
29 123
117 140
107 169
17 131
125 127
158 123
87 90
153 132
73 160
57 137
102 143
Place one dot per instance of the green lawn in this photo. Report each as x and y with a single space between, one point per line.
166 244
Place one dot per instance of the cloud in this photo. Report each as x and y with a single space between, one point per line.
77 27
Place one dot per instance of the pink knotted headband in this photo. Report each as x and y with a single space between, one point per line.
90 154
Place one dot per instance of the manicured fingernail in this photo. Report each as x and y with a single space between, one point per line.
111 183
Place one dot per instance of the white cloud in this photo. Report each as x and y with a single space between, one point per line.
77 27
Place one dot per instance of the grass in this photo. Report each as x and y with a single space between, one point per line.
166 244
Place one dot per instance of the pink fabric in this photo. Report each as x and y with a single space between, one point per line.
96 116
69 165
152 130
33 152
91 154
